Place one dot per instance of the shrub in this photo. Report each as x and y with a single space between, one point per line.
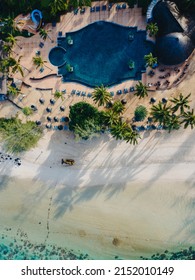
140 113
27 111
17 136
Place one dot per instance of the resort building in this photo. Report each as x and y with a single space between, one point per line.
176 35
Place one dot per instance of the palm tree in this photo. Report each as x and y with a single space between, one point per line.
152 28
13 91
58 94
173 123
7 49
150 60
119 129
188 119
12 40
161 113
110 118
15 65
101 95
181 103
131 137
10 25
44 34
58 6
39 62
141 90
118 107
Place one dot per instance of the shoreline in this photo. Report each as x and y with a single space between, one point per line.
118 200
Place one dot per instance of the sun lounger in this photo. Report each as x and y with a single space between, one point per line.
109 7
92 9
97 9
119 92
73 91
124 6
104 8
125 90
78 92
59 33
132 89
83 93
66 127
64 91
41 69
89 95
53 24
76 11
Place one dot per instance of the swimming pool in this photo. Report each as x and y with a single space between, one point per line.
100 53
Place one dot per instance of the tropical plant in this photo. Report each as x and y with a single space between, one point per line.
39 62
13 91
119 129
58 6
19 136
86 120
69 68
188 118
181 103
27 111
44 34
152 28
58 94
131 136
141 90
11 63
101 96
173 123
12 40
118 107
7 49
161 113
110 118
140 113
150 59
131 64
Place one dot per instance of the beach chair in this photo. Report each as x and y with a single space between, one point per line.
132 89
97 9
82 11
41 45
104 8
125 90
124 6
60 34
112 93
76 11
89 95
73 91
119 92
92 9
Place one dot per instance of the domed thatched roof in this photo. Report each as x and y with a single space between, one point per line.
173 48
176 36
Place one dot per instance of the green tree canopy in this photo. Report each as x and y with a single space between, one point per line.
17 136
85 120
140 113
150 59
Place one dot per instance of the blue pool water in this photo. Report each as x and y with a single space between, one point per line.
100 54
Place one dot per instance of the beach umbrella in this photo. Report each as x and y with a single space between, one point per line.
42 101
152 100
66 119
164 100
52 101
62 108
38 122
56 119
49 110
60 127
33 107
48 125
49 119
124 101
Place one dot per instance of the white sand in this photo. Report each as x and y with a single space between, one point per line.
142 195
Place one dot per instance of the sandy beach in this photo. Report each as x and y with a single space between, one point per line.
117 200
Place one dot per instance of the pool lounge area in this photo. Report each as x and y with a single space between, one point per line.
100 53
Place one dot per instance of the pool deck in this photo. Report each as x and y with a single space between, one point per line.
70 22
